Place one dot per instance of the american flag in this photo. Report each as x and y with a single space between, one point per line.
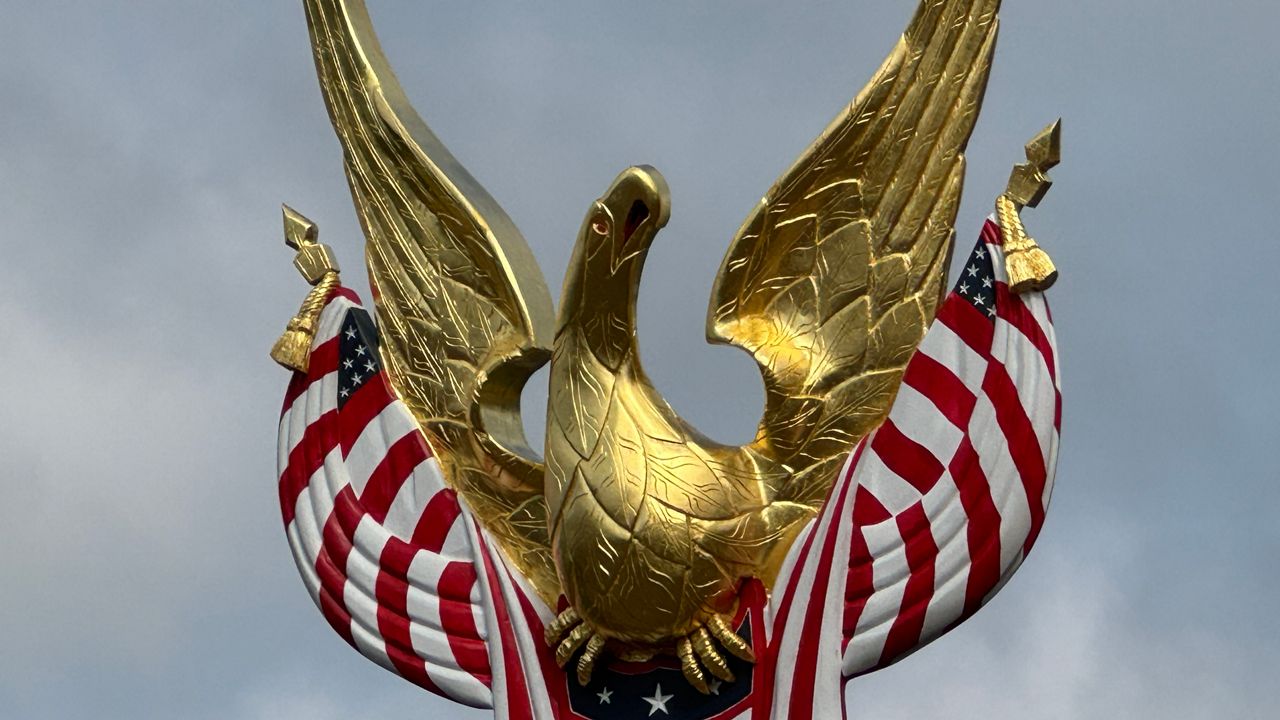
930 516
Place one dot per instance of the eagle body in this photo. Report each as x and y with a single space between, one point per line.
645 528
652 524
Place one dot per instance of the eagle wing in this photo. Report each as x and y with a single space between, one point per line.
834 278
463 310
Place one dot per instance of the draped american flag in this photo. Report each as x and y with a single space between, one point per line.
930 516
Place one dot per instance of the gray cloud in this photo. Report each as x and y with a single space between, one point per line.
145 148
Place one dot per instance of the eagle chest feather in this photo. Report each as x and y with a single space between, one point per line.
653 526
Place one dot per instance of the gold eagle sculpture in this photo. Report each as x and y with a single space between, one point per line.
639 527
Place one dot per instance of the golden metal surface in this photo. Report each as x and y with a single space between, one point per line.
834 278
464 314
319 267
1029 268
1029 181
645 525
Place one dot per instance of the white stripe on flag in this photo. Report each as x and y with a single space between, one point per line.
320 398
925 424
890 572
412 497
1007 492
1030 375
951 351
895 493
370 448
948 524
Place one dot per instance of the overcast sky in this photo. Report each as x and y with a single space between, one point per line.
145 148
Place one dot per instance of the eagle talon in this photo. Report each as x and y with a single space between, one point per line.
697 651
709 656
587 663
730 640
573 643
689 666
563 622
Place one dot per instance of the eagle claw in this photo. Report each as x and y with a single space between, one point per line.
698 652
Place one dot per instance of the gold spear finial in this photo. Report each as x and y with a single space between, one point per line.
319 267
1029 267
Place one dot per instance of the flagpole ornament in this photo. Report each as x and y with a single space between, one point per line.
319 267
1030 269
900 474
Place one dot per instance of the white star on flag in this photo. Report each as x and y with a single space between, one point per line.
605 696
658 701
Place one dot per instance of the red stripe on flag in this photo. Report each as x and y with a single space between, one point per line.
1012 310
972 326
331 567
942 387
347 509
553 681
437 519
323 360
768 667
763 707
860 580
406 662
906 458
868 510
991 234
305 459
361 409
516 690
806 660
921 551
335 613
1024 447
393 571
983 527
402 458
458 620
391 592
298 384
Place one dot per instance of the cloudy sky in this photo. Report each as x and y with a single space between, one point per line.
145 148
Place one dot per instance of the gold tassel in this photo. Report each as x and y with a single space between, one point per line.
1029 268
293 349
319 268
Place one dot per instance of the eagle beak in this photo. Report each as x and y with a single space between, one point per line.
639 204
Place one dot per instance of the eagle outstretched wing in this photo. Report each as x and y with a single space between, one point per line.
463 310
835 277
937 508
